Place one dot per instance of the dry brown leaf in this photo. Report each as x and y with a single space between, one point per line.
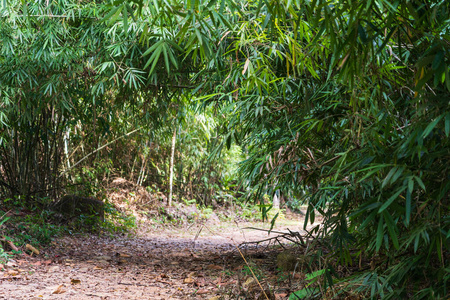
59 289
32 249
13 272
202 291
11 263
75 281
98 268
214 267
124 255
11 245
249 282
21 262
189 280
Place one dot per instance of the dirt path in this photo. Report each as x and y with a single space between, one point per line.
201 262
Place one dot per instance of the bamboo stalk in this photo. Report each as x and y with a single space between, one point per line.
172 155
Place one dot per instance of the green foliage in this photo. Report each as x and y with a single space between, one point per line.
248 211
34 229
118 222
253 270
342 104
4 256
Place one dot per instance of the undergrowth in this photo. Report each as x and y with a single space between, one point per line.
21 225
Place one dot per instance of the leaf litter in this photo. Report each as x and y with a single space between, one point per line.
201 262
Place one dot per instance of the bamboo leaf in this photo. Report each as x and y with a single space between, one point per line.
388 177
110 14
391 199
420 182
166 58
447 124
380 233
431 126
125 20
391 229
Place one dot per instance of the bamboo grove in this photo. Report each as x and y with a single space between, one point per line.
344 105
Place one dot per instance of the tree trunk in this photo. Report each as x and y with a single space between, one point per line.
276 200
172 155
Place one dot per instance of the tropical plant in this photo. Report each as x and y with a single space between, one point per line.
343 103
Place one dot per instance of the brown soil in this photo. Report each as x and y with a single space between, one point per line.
201 258
199 262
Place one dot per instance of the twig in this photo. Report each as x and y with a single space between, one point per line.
136 284
260 229
254 276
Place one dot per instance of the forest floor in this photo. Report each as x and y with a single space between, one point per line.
204 260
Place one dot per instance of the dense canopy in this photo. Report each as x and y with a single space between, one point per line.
343 105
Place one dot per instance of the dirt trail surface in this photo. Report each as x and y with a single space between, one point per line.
199 262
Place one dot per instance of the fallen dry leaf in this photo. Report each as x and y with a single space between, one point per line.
202 291
214 267
13 272
97 268
281 295
249 282
11 263
189 280
32 249
192 274
59 289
